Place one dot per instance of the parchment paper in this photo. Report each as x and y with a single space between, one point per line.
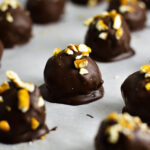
76 131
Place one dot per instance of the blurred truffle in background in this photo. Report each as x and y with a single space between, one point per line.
45 11
134 12
15 24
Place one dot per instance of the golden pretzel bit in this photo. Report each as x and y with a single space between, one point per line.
145 69
79 63
14 78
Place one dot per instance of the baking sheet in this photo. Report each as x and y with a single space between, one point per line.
76 131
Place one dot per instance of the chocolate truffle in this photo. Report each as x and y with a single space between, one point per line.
45 11
1 50
72 77
136 93
109 37
123 132
134 12
87 2
15 24
22 111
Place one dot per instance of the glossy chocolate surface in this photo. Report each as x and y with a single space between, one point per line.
110 49
136 97
18 29
20 121
138 139
64 84
45 11
135 16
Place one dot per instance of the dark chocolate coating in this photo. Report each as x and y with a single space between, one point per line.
82 2
110 49
136 20
18 31
139 141
1 50
64 84
20 122
136 97
45 11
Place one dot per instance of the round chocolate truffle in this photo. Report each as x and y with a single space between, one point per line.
123 132
22 111
86 2
15 24
45 11
136 93
72 77
109 37
1 50
134 12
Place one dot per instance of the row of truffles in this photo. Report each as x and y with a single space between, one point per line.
136 93
122 132
45 11
108 36
134 12
72 77
15 24
22 111
89 3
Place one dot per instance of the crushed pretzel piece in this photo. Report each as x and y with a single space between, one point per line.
23 100
14 78
4 126
56 51
41 101
101 26
4 87
8 3
34 123
73 47
103 35
117 22
147 86
9 17
68 51
119 33
83 71
1 99
80 63
145 68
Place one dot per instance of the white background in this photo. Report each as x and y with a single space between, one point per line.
76 131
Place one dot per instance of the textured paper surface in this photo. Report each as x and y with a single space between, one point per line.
76 131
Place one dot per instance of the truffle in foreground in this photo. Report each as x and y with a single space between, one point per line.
123 132
72 77
22 111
